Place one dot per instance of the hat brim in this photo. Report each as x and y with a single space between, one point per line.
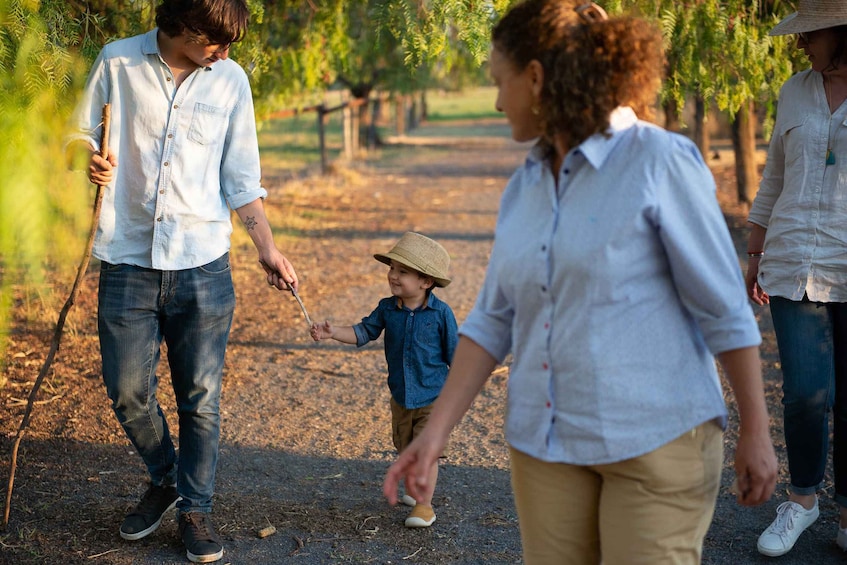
797 23
387 257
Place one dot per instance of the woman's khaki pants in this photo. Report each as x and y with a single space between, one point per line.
654 509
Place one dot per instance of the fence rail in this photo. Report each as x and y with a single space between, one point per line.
408 113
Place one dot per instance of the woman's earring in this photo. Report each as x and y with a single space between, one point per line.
535 110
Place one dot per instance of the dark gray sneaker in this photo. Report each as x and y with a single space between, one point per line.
202 544
147 515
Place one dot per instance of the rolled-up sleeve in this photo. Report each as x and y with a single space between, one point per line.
703 261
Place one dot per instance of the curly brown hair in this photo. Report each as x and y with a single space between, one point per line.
590 66
597 67
212 22
532 27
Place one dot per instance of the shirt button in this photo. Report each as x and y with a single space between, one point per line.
159 219
162 191
166 163
168 79
412 314
547 326
567 171
544 366
548 404
176 106
543 289
170 136
543 248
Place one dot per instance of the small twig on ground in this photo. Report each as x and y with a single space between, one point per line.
95 556
413 554
300 546
20 401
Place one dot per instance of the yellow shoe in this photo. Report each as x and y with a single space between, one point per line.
422 516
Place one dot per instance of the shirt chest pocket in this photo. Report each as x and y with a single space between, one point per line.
208 124
795 141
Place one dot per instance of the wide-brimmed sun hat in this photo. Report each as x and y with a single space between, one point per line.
422 254
812 15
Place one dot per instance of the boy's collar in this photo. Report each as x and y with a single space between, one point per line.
425 304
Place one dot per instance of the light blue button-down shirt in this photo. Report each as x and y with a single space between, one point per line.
185 155
802 201
613 294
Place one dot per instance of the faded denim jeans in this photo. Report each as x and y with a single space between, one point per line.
191 310
812 340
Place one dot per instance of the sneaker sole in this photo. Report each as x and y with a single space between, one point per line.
204 558
408 500
416 522
772 552
152 528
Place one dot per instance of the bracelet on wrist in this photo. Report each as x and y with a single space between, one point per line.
755 253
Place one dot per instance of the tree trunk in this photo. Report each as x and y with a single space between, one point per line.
701 130
400 114
744 144
365 124
369 121
424 107
671 115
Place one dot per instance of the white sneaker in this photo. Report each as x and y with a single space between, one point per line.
841 539
408 500
791 520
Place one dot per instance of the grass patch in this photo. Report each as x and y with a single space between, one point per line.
471 104
291 145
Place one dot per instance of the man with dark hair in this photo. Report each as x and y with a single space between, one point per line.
184 132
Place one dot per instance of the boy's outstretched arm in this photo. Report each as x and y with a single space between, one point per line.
344 334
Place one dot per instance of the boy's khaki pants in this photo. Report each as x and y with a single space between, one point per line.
653 509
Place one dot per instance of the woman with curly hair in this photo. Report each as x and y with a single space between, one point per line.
614 305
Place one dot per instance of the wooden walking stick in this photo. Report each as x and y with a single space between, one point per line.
60 324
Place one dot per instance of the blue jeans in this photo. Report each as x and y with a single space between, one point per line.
191 310
812 340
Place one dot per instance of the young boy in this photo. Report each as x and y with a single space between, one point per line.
420 338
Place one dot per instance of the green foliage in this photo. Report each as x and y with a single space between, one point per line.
389 45
720 50
42 205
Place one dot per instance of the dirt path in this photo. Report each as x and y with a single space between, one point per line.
306 435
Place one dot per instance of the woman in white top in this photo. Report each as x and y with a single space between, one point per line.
614 283
798 264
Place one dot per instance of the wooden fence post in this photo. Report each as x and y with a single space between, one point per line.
354 127
322 137
347 130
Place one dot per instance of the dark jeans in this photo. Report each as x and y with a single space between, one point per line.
191 310
812 339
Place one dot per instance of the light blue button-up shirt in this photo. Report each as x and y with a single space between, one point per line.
613 294
185 155
802 201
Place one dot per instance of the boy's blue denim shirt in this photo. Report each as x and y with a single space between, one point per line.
419 346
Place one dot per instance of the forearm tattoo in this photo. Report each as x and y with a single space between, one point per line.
250 223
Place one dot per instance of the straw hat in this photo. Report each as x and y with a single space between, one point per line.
422 254
812 15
